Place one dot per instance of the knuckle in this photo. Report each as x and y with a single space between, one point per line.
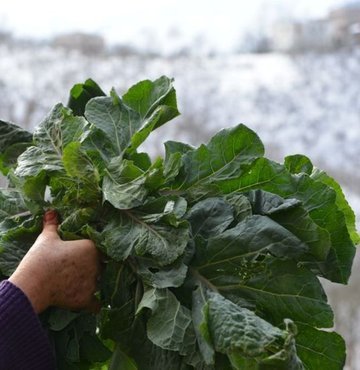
89 244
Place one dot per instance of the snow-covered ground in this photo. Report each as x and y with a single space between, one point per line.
306 104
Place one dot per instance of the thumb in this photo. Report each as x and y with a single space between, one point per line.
50 222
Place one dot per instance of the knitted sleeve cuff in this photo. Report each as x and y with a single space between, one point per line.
23 341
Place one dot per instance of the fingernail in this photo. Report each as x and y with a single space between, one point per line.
50 216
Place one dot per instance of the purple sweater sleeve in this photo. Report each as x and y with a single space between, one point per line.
23 341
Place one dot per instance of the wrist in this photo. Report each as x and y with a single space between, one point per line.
34 289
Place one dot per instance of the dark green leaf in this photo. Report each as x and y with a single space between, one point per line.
58 130
81 93
255 236
176 147
9 157
320 349
34 160
16 238
317 198
169 209
117 121
141 160
200 316
11 204
60 318
278 289
210 217
290 214
224 157
240 334
298 164
13 141
93 350
241 206
169 320
124 184
76 220
120 361
162 277
127 234
80 169
341 202
146 96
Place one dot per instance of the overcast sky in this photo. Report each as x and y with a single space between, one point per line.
220 22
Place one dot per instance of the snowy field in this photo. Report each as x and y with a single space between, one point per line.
306 104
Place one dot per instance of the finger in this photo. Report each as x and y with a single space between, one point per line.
50 222
83 243
88 243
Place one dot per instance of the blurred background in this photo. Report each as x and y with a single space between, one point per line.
288 70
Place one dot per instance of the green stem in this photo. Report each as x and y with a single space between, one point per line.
203 280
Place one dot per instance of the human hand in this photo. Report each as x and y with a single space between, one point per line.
59 273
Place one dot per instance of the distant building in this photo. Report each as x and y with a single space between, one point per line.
345 24
340 28
285 35
290 36
85 43
316 35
